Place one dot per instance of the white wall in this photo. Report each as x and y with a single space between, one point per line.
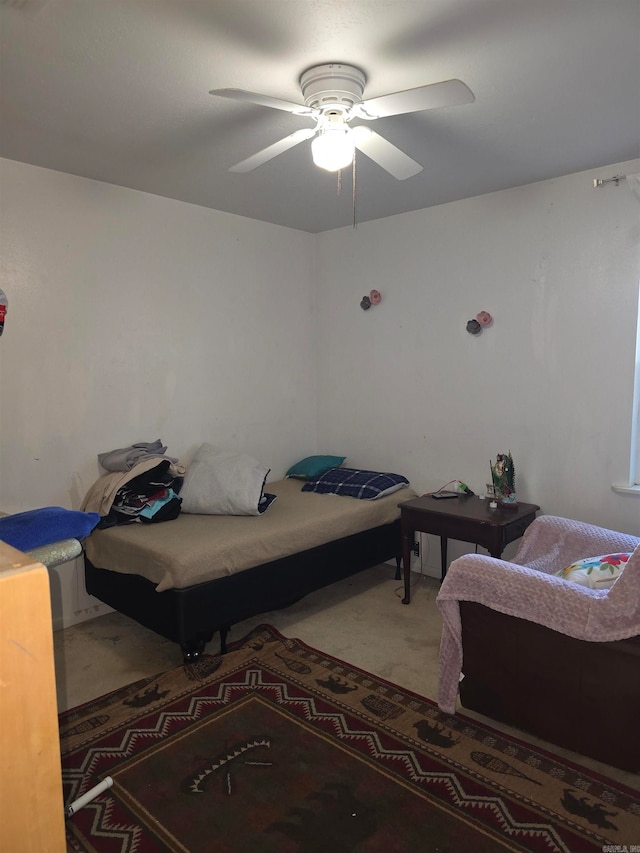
404 387
134 317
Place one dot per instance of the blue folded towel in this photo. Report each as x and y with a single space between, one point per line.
36 527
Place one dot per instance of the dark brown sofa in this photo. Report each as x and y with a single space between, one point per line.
581 695
542 654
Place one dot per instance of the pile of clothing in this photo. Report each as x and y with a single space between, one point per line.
142 484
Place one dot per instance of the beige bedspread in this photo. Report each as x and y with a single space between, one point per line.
197 548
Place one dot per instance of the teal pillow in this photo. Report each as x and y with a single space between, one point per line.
314 466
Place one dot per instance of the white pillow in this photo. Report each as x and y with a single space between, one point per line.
595 572
219 482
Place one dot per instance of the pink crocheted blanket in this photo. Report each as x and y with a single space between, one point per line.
527 588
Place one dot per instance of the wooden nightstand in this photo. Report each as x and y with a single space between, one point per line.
466 518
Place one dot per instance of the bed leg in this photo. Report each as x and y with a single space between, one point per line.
223 640
398 566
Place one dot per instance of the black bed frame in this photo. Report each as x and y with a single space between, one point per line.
192 615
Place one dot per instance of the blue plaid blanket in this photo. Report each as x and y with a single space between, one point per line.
353 483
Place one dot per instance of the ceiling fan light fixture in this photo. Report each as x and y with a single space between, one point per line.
333 149
333 97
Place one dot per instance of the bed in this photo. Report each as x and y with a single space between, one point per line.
196 575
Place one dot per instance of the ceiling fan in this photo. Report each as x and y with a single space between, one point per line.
333 98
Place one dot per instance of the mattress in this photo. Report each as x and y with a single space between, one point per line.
193 549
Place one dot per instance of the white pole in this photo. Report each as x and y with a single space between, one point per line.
82 801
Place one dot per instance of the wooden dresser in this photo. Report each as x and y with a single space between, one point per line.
31 804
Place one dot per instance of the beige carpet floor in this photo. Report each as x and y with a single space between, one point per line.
360 620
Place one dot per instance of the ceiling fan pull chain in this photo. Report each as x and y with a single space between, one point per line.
339 185
353 169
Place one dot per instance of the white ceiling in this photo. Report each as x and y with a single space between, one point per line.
117 90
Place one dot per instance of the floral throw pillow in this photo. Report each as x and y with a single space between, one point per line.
595 572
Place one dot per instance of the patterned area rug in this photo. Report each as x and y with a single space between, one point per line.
279 747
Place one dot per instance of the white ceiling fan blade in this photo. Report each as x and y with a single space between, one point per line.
264 101
272 151
449 93
395 161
